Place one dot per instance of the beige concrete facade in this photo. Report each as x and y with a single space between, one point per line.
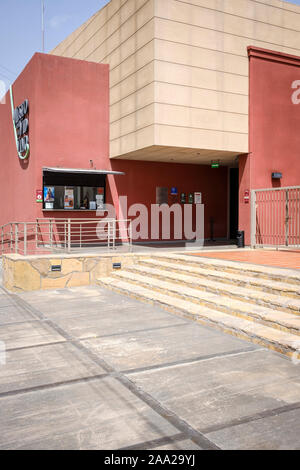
179 71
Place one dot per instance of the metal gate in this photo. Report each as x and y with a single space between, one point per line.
275 217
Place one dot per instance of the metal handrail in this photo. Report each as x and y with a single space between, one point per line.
64 235
276 189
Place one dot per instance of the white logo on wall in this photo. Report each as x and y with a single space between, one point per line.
296 94
2 92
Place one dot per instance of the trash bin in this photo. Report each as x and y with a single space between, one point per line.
240 239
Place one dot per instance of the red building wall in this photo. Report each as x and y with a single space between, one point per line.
142 178
274 123
68 127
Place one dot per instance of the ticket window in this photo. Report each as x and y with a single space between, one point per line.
65 191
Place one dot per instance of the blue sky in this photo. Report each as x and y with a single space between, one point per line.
20 29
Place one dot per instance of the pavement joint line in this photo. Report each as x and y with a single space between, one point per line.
86 338
5 306
39 345
22 322
192 434
49 386
197 437
191 361
155 442
129 332
14 303
249 419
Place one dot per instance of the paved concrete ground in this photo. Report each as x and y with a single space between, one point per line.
89 369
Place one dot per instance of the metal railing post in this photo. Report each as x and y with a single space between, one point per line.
16 238
25 238
253 219
65 230
114 227
108 235
69 235
11 237
130 236
287 218
36 235
51 233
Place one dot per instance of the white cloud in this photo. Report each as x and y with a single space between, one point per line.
59 20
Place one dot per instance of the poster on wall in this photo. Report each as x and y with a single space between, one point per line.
100 199
49 193
69 198
100 202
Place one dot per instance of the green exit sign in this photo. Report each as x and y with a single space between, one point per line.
215 165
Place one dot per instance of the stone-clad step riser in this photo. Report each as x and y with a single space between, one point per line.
291 290
205 321
228 269
276 305
146 283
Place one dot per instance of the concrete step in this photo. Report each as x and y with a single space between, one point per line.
283 342
289 276
216 286
267 316
244 280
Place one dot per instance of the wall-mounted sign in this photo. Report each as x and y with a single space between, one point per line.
174 191
198 198
246 196
183 198
39 195
191 198
21 126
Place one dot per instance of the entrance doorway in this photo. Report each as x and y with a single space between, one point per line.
233 202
